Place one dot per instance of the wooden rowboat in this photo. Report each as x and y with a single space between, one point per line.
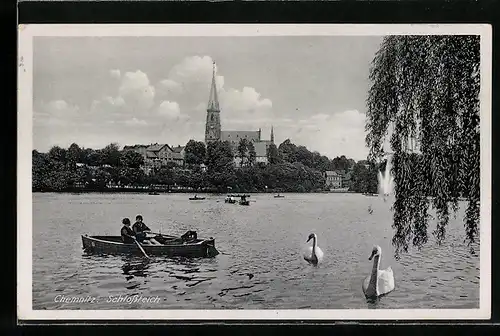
196 198
171 246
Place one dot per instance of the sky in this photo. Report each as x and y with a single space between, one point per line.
139 90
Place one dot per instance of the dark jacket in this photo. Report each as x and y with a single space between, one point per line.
126 234
139 227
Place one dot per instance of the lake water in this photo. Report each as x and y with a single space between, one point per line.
265 239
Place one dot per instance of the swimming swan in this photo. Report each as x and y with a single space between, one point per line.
314 255
380 282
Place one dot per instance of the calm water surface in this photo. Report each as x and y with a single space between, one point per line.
265 240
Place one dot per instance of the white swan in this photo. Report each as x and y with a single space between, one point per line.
314 255
380 282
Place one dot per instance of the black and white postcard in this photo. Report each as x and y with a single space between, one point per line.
254 172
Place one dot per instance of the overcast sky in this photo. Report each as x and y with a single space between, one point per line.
131 90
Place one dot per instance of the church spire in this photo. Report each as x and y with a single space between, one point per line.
213 100
272 134
212 126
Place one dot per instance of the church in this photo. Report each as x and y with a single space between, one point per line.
213 131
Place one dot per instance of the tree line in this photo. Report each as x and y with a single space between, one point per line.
211 167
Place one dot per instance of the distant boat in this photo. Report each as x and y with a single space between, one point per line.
238 195
279 196
230 199
153 193
244 201
196 198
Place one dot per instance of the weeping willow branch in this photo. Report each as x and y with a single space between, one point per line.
427 88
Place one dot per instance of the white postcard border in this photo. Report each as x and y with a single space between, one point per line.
25 145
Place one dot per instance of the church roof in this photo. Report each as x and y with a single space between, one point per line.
235 136
261 148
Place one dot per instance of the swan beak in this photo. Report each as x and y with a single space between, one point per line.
308 239
371 256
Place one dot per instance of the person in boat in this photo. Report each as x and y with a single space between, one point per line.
128 235
140 229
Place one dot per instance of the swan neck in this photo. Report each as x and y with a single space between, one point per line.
314 247
374 276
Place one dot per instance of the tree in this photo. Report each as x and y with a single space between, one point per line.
166 176
252 155
111 155
304 156
219 156
287 151
94 158
195 152
320 162
427 88
273 155
341 163
57 153
40 170
74 153
131 159
242 150
220 166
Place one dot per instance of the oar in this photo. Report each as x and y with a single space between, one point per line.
140 247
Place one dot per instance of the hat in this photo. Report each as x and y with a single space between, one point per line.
126 221
138 217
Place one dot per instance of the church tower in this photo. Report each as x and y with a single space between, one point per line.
213 128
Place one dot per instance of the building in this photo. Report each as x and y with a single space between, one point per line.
214 132
347 179
178 155
141 149
333 180
158 155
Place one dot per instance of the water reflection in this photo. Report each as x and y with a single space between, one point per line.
372 303
136 268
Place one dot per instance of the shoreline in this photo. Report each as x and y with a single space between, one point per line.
160 192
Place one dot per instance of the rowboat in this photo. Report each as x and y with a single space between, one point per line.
279 196
196 198
229 199
171 246
244 201
153 193
238 195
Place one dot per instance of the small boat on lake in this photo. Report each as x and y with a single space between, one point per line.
196 198
153 193
244 201
229 199
279 196
238 195
170 246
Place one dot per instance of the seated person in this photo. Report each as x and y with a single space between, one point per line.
128 235
140 229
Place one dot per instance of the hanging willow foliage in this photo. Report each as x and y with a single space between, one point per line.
427 88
